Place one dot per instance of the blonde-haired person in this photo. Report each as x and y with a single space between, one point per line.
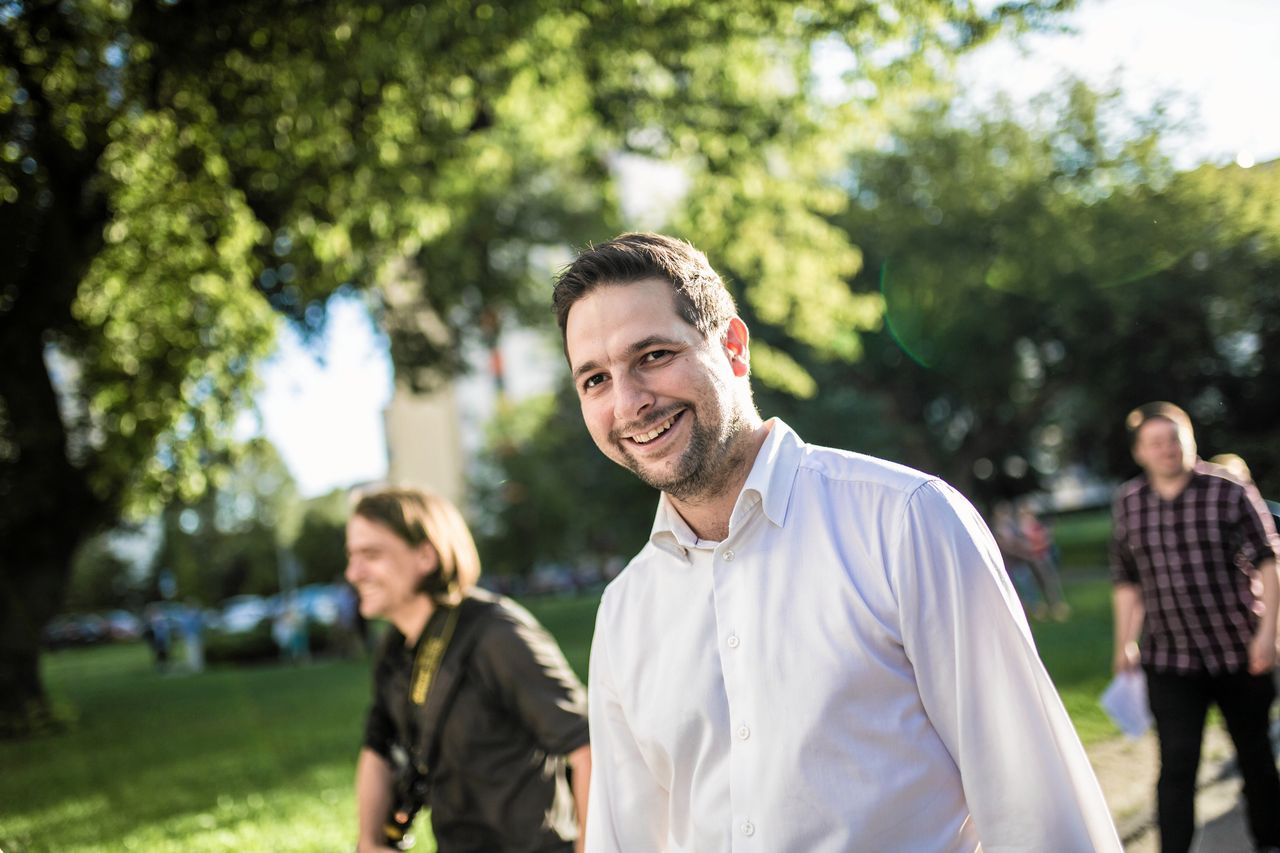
476 715
1235 465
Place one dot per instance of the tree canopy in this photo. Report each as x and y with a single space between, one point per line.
175 174
1044 275
1041 273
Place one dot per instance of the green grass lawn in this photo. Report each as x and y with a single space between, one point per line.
1082 538
261 758
1077 654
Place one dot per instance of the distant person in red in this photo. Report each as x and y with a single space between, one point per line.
1207 620
1039 542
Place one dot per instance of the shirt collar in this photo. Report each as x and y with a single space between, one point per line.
768 485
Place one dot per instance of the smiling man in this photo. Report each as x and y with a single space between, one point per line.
476 714
816 650
1193 561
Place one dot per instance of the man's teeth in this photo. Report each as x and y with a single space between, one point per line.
645 438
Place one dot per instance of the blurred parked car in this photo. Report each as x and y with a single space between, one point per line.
75 629
123 625
320 602
243 613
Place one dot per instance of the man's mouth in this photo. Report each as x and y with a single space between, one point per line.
650 435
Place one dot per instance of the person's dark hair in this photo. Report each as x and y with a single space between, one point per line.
701 297
1158 409
420 517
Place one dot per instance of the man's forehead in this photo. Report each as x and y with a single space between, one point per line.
618 316
1157 425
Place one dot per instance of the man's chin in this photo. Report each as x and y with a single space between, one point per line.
655 476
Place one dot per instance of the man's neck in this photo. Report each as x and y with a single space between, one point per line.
411 619
708 516
1169 487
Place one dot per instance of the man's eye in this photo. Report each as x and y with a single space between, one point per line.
655 355
593 381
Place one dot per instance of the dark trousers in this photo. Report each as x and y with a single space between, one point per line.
1179 704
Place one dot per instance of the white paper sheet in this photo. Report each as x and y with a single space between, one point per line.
1125 701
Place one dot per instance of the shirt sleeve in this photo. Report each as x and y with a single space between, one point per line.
379 728
1124 569
1258 529
1026 778
627 808
524 667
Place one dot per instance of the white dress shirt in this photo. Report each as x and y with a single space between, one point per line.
849 670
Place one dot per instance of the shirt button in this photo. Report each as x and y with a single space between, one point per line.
728 556
748 828
743 732
733 641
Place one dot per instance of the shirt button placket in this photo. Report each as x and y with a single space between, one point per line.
741 732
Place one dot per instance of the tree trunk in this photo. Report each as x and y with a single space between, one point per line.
24 705
46 511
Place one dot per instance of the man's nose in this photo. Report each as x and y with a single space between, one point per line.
631 397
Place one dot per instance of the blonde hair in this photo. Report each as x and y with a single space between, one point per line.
419 517
1235 466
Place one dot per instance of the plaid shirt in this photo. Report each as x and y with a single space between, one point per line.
1202 603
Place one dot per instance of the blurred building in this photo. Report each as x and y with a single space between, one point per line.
434 437
424 441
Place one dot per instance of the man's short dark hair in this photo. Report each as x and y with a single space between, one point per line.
1158 409
701 297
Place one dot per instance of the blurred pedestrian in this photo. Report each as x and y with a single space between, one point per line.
158 636
1044 564
289 630
1207 621
476 714
815 650
192 624
1234 465
1017 556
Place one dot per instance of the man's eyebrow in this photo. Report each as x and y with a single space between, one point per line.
632 350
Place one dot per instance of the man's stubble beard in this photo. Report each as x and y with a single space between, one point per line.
707 465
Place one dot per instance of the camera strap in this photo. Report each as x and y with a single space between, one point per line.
439 669
426 663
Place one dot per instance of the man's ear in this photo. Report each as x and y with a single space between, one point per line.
737 344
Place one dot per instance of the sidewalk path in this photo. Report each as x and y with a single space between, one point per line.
1127 771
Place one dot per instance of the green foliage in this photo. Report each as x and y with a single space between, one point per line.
545 494
169 323
1041 276
229 541
321 544
172 171
101 579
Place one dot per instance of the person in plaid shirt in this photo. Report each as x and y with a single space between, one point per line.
1208 621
